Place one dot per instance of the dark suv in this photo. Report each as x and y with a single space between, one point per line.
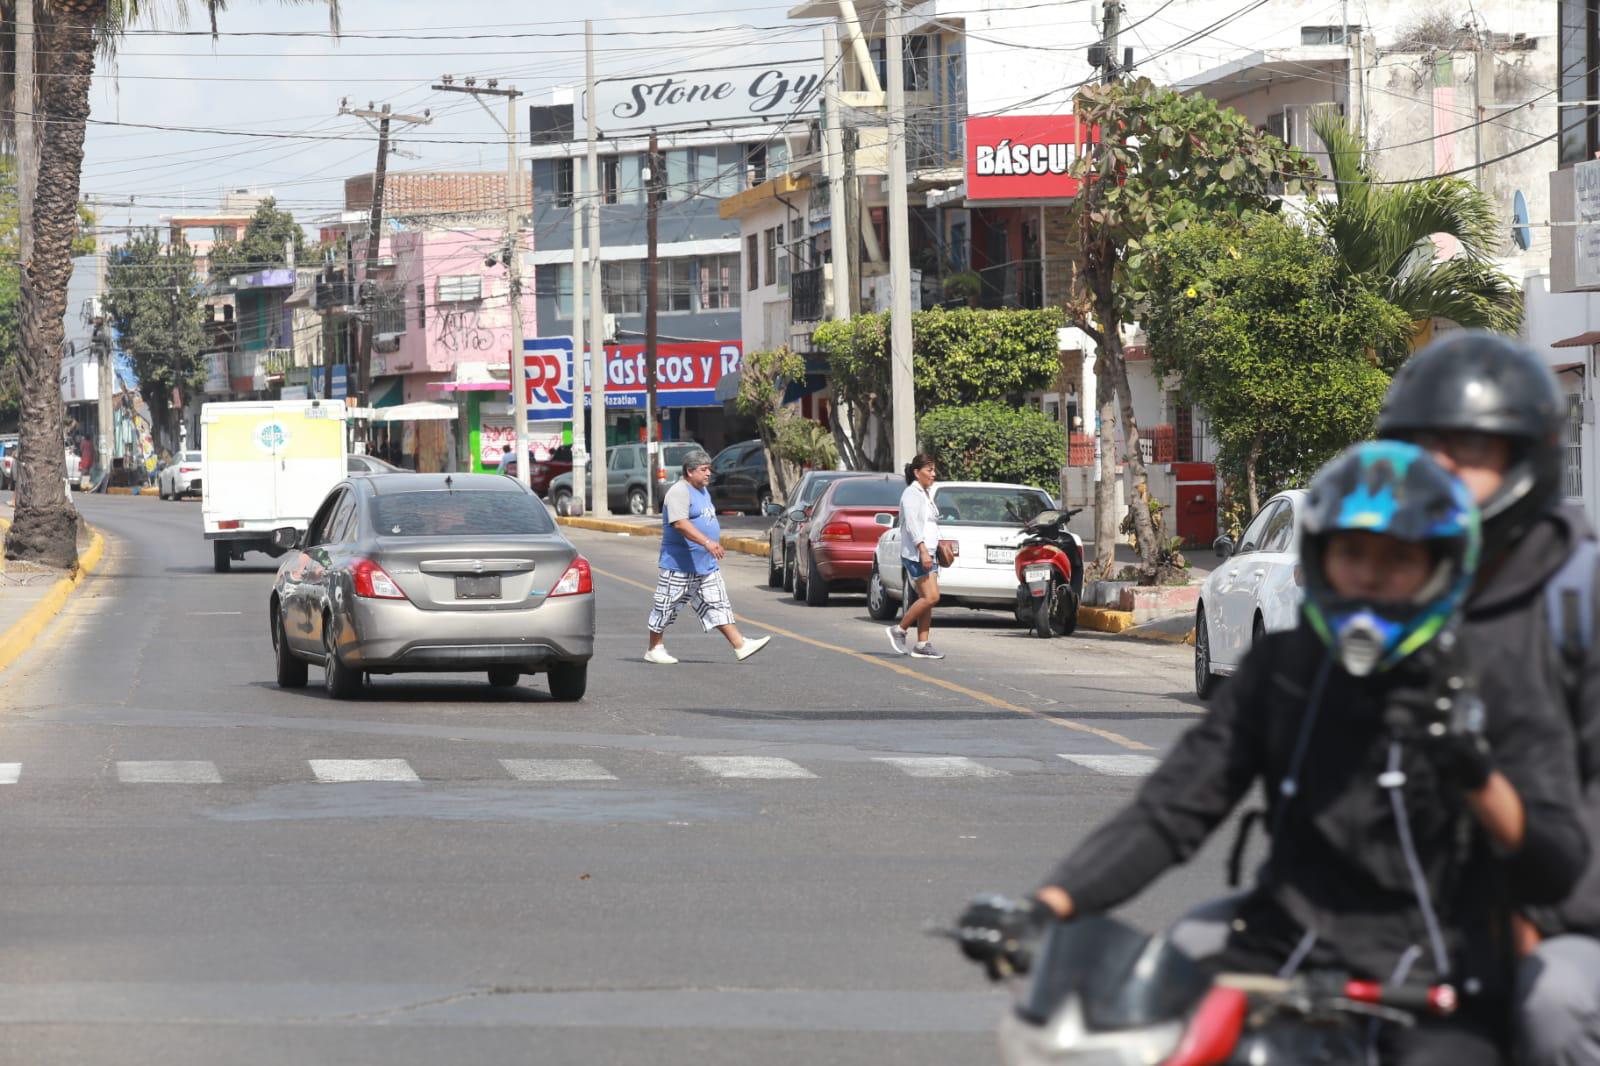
740 480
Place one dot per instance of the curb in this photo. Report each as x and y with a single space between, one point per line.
20 636
1104 620
742 545
123 490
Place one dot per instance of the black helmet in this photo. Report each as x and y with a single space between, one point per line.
1478 382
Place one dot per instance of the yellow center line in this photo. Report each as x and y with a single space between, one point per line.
887 664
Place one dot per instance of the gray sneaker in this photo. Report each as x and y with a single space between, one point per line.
897 638
926 650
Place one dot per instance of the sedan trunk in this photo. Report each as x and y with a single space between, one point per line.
491 573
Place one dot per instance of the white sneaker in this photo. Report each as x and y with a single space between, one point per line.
659 656
750 647
897 639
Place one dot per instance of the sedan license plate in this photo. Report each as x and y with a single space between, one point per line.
477 586
1000 555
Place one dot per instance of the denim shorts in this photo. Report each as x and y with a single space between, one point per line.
916 570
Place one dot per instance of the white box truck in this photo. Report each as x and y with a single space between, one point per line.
266 465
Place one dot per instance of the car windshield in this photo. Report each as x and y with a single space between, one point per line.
191 457
995 506
868 492
438 513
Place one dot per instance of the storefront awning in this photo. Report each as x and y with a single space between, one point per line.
387 393
1582 340
425 411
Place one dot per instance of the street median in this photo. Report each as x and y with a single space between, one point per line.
743 545
20 635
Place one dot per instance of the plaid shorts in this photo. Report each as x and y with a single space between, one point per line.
708 593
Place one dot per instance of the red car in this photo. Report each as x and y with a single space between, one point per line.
542 471
835 544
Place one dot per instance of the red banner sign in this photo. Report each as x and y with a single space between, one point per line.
1023 157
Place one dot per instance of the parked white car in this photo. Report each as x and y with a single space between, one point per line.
983 520
1256 590
180 477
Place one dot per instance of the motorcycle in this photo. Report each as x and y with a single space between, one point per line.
1106 994
1049 568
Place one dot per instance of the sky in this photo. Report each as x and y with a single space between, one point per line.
277 77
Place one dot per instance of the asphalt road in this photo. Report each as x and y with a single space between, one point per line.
702 864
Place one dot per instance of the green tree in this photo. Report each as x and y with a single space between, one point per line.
1274 341
264 245
763 377
69 35
994 441
153 300
1166 161
1385 232
960 356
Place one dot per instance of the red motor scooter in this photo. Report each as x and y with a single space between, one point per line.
1049 568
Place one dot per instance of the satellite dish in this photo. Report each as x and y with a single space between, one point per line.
1519 221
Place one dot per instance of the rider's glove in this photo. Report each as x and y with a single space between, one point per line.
1457 743
998 932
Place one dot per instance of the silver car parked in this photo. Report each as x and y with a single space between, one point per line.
432 573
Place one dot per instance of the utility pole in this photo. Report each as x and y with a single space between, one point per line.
512 255
369 299
601 502
837 169
652 192
27 153
580 413
901 382
1100 381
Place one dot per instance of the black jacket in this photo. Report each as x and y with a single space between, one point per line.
1336 866
1507 614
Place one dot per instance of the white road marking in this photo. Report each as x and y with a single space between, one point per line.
343 770
10 772
750 767
168 772
557 770
939 766
212 614
1116 765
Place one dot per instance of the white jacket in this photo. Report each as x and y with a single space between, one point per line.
919 523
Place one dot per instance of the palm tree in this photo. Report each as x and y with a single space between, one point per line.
68 36
1386 233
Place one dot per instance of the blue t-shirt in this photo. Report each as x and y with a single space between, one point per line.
682 501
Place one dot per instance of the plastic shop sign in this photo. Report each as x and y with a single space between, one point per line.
687 373
1023 157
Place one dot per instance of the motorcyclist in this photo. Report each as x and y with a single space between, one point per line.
1403 830
1489 410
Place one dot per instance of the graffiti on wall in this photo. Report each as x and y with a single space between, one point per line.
461 330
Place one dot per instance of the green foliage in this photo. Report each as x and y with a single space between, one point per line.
993 441
1273 340
805 443
153 299
263 245
763 377
1385 233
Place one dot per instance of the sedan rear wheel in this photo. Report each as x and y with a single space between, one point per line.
341 682
788 571
504 677
1205 682
292 672
816 585
569 681
774 568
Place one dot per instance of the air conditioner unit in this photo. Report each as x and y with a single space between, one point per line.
387 342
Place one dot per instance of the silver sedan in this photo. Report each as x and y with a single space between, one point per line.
432 573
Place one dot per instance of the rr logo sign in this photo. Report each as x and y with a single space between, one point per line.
546 380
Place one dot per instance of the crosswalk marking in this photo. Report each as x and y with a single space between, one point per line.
168 772
1116 765
10 772
557 770
751 767
939 766
334 771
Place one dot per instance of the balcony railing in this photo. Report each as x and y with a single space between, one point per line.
807 295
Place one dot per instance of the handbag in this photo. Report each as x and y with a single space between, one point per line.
947 553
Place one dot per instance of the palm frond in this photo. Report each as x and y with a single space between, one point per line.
1410 214
1470 293
1347 157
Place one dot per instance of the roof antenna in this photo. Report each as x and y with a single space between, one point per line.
450 484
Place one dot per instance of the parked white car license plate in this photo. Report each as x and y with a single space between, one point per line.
1000 555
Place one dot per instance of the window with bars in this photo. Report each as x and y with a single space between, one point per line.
389 316
459 288
563 169
718 282
774 237
1572 467
752 262
422 305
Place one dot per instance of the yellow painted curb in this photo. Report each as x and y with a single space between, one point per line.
123 490
1104 620
20 637
743 545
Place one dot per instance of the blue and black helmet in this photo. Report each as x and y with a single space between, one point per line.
1395 489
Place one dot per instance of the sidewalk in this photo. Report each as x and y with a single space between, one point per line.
30 595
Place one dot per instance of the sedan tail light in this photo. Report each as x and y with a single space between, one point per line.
187 469
372 582
577 581
836 531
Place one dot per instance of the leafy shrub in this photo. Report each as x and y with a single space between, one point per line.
995 442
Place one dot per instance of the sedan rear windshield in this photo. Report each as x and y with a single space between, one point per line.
990 507
190 457
673 455
819 484
438 513
868 492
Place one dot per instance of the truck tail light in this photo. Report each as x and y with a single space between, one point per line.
836 531
229 523
577 581
372 582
